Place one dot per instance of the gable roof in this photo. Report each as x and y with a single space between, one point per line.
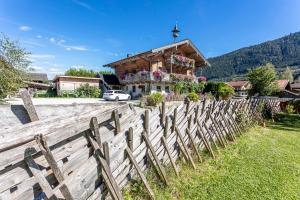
282 84
238 84
161 49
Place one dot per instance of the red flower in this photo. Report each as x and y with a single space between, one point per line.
202 78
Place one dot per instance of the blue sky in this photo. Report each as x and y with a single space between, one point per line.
89 33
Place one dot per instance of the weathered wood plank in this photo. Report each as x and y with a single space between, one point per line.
185 147
193 144
29 106
37 173
140 173
157 162
170 156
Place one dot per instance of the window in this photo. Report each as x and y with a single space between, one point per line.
167 89
133 88
158 88
142 88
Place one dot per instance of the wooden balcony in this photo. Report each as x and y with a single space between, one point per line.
181 61
157 76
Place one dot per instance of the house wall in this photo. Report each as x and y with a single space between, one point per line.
72 85
148 89
156 63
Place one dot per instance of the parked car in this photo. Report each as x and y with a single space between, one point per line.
116 95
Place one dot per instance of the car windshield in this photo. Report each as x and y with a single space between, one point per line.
109 91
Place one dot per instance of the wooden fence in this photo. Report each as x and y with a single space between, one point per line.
95 154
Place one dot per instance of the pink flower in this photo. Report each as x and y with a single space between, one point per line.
202 78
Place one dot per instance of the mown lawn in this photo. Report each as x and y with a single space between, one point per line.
264 163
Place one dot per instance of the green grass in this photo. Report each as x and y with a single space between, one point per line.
264 163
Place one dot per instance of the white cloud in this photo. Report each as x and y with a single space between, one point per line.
78 66
39 36
37 68
83 4
42 56
25 28
52 39
32 43
76 48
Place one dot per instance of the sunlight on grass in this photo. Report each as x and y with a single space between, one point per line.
264 163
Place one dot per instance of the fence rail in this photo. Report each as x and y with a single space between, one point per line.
95 154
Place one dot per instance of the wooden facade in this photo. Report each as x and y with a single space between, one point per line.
160 67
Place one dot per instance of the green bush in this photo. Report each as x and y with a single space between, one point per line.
219 89
193 96
225 91
87 90
290 109
154 99
49 93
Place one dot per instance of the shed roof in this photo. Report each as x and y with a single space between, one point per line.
111 79
38 76
75 77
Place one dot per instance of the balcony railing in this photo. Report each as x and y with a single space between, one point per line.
181 61
158 76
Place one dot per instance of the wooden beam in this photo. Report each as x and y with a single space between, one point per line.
95 129
185 147
130 138
210 135
65 191
37 173
146 121
193 144
105 171
166 127
174 120
29 106
163 112
42 143
157 162
140 173
106 152
164 142
205 141
117 121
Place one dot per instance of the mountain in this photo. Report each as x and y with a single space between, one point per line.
281 53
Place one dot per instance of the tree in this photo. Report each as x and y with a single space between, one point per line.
262 80
219 90
287 74
84 72
14 64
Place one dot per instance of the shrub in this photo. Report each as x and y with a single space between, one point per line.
290 109
87 90
193 97
219 90
154 99
51 92
225 91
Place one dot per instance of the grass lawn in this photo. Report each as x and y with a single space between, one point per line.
264 163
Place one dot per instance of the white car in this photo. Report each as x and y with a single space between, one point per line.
116 95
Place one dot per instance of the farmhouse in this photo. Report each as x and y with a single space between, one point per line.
240 87
37 81
71 83
158 69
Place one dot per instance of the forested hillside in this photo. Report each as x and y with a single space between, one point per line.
281 52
